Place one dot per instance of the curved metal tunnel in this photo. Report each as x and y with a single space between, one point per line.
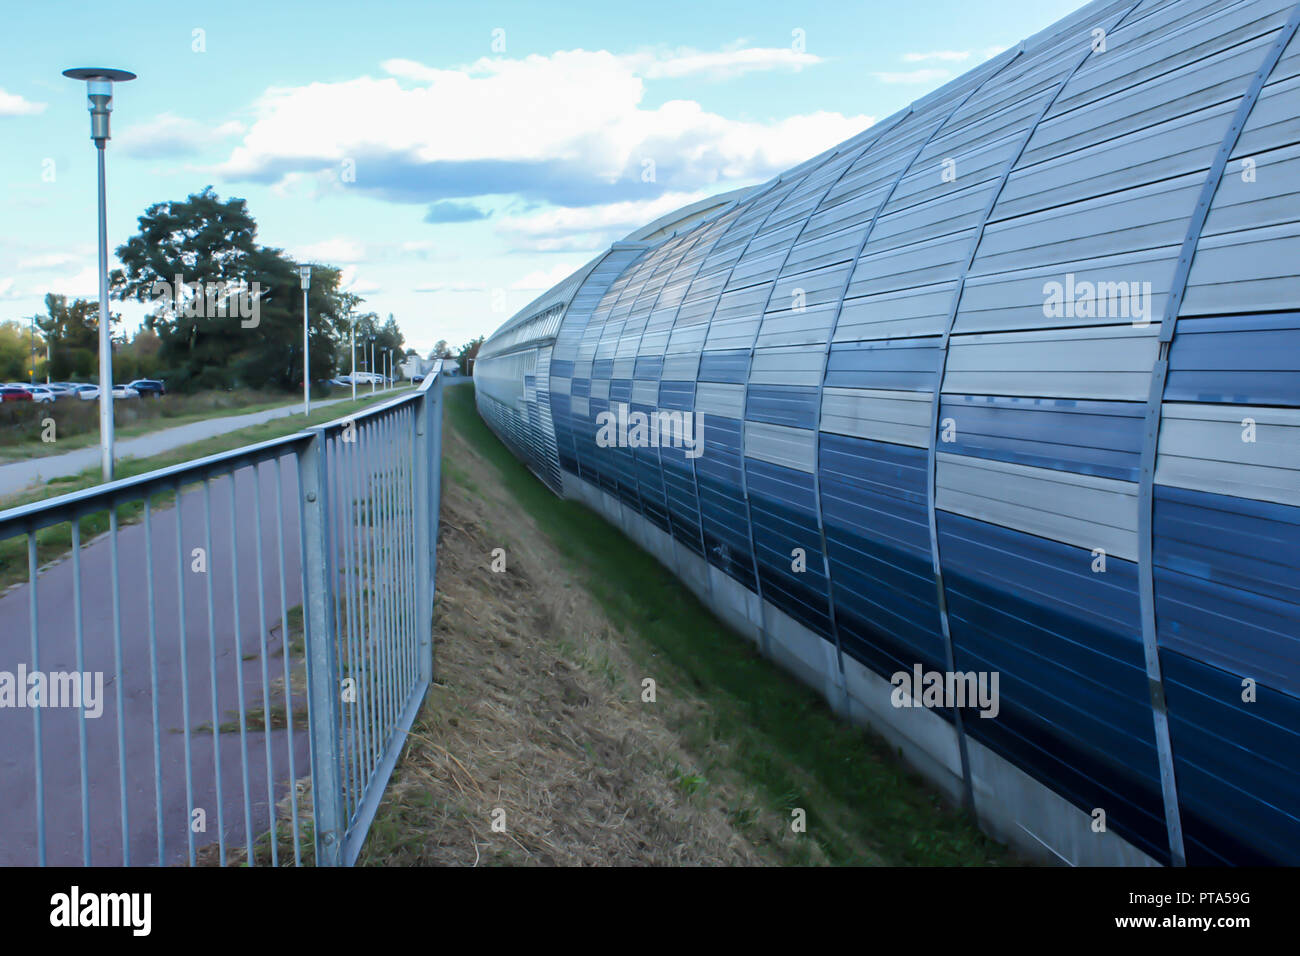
1017 372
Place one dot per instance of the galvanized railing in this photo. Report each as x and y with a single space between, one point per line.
169 695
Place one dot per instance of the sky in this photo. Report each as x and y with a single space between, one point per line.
454 159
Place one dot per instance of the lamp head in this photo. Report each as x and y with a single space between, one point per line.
304 273
99 95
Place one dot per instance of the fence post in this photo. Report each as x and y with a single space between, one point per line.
435 493
424 540
322 680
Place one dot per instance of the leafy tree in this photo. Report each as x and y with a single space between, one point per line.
138 358
245 325
468 353
15 350
73 332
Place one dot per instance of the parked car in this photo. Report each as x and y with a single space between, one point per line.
41 394
14 393
149 387
124 391
87 393
61 389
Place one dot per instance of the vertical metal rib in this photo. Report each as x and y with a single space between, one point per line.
153 678
182 637
239 669
80 637
266 674
118 678
212 668
1151 435
287 659
360 735
950 657
365 607
35 648
348 669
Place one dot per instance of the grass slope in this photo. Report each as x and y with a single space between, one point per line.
744 719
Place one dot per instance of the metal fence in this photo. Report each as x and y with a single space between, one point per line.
218 662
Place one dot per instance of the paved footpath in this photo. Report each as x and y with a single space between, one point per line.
16 476
224 637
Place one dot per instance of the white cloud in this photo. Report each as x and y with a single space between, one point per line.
351 281
6 287
170 135
82 284
565 228
452 287
924 75
539 280
331 252
946 56
721 64
568 128
51 260
12 104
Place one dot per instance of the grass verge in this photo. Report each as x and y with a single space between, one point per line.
739 736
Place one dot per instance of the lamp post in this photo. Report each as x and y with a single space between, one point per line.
99 93
353 376
372 365
304 273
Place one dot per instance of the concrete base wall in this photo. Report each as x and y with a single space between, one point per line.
1010 805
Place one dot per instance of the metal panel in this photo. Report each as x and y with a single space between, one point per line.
781 445
880 414
1240 450
717 399
1083 510
1112 363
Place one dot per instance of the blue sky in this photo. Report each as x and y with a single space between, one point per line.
455 159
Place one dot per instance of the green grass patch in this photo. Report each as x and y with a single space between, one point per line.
863 804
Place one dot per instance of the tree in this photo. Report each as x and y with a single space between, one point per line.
468 353
72 329
228 311
15 350
440 350
138 358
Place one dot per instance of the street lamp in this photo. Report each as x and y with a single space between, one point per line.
304 273
372 365
99 92
353 376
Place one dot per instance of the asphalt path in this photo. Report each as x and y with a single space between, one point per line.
216 639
